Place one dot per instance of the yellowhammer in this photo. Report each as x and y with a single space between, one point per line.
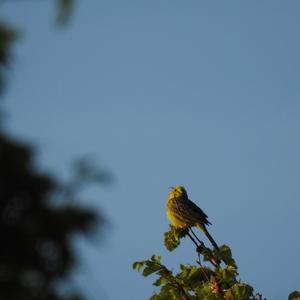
183 213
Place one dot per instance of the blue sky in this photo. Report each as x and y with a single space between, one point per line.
203 94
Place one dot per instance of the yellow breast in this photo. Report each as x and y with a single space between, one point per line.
175 221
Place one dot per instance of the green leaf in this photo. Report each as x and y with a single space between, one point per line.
239 291
193 276
162 280
226 255
226 275
205 292
156 258
199 276
173 236
167 292
147 271
154 297
152 265
138 265
172 292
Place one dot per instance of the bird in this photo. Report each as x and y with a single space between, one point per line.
184 214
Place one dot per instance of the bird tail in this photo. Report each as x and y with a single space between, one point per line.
203 228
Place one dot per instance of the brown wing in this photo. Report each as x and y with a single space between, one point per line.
197 212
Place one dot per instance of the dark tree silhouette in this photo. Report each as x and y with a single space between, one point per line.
7 36
35 232
35 236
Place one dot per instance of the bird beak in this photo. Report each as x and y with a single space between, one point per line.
171 187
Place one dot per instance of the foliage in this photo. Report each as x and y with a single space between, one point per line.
36 250
173 236
216 282
38 214
65 8
7 36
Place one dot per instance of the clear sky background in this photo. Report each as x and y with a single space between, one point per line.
203 94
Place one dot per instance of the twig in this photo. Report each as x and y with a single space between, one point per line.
192 239
194 234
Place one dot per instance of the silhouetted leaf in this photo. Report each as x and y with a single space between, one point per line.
35 236
64 11
7 37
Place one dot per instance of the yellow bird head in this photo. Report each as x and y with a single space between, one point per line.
178 191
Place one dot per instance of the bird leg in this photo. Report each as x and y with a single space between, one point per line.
194 234
193 240
200 248
201 245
